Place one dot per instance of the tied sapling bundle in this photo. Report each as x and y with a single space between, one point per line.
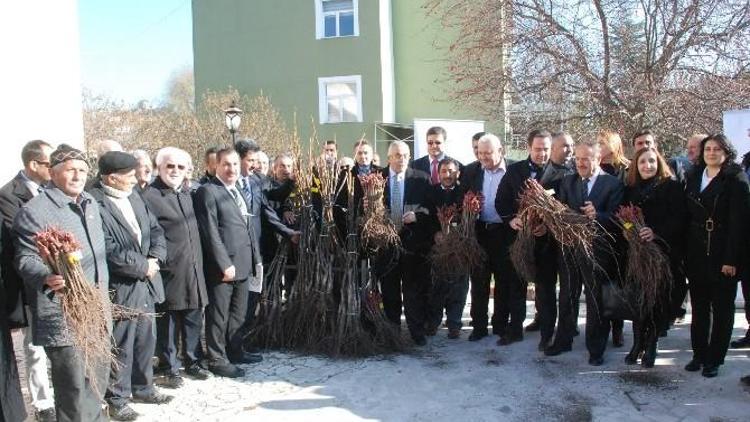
378 231
456 251
574 232
84 307
647 271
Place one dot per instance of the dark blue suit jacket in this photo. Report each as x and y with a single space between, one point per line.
606 195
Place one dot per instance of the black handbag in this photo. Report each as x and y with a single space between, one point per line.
618 303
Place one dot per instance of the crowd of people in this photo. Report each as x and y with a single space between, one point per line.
189 255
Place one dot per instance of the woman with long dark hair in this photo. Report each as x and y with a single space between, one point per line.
717 206
649 185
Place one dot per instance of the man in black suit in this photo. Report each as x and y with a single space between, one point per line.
26 185
256 187
135 247
405 200
470 170
209 164
229 255
490 233
436 138
513 288
597 195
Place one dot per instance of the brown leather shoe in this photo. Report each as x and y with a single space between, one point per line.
454 333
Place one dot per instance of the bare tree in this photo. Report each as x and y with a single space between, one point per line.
151 128
672 65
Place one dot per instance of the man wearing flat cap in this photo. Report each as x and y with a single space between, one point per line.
65 205
135 247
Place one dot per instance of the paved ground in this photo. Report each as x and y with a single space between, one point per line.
457 380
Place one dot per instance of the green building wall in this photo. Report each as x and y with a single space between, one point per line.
270 46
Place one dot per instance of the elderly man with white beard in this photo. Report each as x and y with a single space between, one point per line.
182 271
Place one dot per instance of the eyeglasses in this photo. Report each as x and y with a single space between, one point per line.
172 166
42 163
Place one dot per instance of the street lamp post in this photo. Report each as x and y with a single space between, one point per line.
233 119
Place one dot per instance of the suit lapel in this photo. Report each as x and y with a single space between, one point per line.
21 191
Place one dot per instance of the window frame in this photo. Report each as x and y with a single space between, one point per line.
320 21
323 82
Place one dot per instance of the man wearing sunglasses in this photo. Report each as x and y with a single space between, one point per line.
28 183
181 314
436 138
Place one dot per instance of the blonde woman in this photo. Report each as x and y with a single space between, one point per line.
616 164
614 161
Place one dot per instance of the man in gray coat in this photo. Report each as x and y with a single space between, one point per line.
135 247
63 204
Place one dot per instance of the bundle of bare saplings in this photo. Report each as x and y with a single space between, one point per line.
334 305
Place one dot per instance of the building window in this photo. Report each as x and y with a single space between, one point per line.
340 99
336 18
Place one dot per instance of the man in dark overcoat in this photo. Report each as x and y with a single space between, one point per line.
181 314
135 247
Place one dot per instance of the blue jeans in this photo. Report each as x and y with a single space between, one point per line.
448 294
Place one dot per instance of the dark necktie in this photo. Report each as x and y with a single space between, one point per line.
434 178
584 189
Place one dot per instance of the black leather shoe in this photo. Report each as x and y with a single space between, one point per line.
509 339
245 358
557 349
419 340
543 344
46 415
170 381
122 413
631 358
742 343
227 370
533 326
745 380
195 371
694 365
477 335
710 371
153 398
649 356
596 361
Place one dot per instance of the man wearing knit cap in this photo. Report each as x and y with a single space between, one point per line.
135 247
65 205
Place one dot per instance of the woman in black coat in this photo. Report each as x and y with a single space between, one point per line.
717 205
662 200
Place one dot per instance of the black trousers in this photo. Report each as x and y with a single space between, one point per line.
745 283
410 277
679 291
545 287
225 315
510 291
491 240
712 301
185 323
76 398
576 272
134 342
